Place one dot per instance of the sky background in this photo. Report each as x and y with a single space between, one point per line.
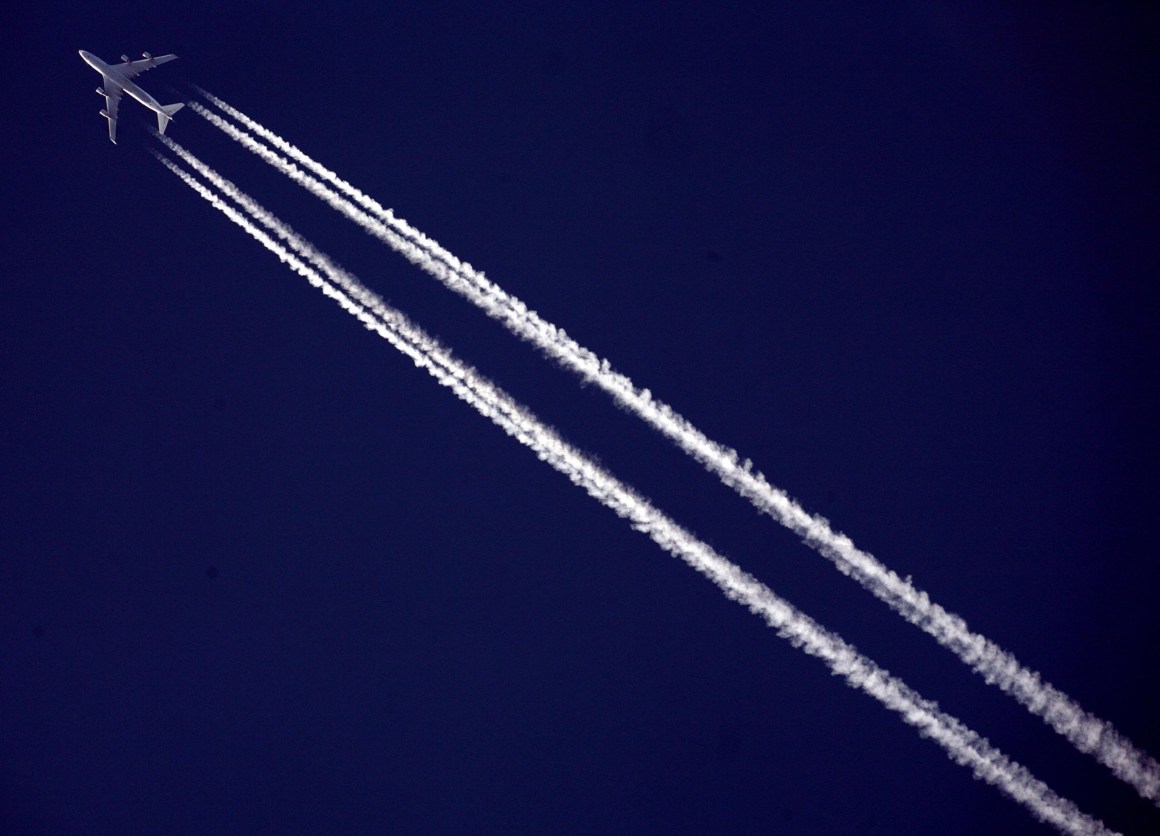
259 574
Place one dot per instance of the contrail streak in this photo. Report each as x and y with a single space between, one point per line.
962 744
1085 731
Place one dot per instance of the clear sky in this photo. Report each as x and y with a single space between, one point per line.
258 573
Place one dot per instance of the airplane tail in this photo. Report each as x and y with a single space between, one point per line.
165 114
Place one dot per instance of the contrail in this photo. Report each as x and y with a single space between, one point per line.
1085 731
963 745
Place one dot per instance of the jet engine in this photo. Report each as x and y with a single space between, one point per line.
146 55
101 91
125 58
104 113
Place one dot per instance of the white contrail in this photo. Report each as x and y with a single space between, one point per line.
1085 731
962 744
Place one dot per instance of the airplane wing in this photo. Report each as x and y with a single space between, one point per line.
112 100
133 68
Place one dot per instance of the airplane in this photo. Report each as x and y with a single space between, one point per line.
117 79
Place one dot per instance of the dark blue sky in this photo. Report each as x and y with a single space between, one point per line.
259 574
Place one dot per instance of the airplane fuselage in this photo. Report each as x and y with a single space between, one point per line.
109 75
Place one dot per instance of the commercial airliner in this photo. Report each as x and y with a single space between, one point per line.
117 79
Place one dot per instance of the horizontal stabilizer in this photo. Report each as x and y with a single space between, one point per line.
165 114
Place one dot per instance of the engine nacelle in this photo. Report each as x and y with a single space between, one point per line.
101 92
146 56
125 58
104 113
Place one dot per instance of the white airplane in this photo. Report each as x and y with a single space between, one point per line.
117 79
